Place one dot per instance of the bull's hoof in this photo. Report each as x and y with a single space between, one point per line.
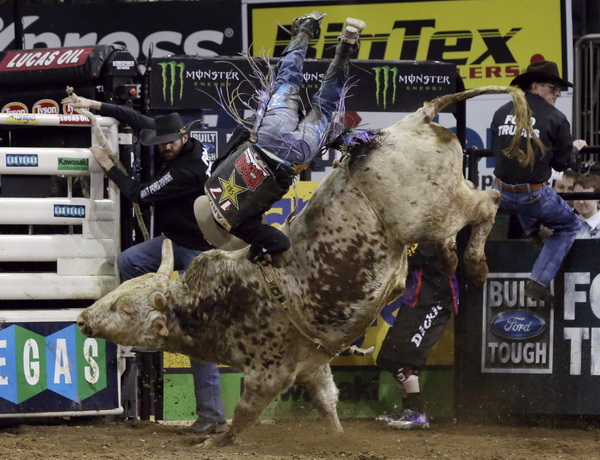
495 196
221 440
478 271
450 263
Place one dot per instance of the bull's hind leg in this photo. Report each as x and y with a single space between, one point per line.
448 257
324 395
260 388
485 205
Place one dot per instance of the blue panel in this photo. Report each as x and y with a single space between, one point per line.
61 363
8 365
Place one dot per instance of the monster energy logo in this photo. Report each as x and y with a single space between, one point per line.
172 75
386 78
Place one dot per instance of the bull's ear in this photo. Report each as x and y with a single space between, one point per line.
167 262
161 327
158 301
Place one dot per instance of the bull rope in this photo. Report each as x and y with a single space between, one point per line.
276 293
343 165
103 142
273 284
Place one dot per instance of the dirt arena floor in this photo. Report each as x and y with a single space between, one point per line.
103 439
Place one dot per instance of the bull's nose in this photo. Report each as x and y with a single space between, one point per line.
84 327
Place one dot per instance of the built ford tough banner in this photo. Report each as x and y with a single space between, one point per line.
522 356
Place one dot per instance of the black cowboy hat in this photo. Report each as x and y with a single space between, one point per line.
168 128
540 72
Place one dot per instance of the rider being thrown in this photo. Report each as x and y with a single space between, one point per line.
254 174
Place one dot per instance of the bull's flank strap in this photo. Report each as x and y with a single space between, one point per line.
296 322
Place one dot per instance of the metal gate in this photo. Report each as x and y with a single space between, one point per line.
57 249
586 103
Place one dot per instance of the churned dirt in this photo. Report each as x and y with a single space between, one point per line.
101 438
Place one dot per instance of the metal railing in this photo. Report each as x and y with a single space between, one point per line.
474 154
586 94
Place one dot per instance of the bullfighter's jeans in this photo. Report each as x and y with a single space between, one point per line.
544 207
145 258
281 131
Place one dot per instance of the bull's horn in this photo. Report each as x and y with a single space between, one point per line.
166 265
158 300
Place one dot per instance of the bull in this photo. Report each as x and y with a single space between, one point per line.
282 325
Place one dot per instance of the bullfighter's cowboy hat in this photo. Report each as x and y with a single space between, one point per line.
541 72
168 128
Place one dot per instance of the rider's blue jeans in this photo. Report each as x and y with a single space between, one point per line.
281 130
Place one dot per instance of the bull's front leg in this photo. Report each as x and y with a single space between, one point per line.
260 388
448 257
324 395
484 209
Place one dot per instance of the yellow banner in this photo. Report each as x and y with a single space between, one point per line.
491 41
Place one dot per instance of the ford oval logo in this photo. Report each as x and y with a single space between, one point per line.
518 324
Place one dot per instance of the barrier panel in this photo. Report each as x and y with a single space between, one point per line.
586 109
58 243
85 254
521 356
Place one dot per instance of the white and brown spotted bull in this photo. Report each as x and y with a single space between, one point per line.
348 262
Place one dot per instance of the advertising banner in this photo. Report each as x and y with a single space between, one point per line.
48 367
35 81
185 82
207 28
520 355
491 41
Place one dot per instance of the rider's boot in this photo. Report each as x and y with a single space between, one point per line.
304 29
348 41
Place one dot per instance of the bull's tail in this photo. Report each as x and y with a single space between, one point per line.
521 112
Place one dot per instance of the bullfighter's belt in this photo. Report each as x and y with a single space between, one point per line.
518 188
242 186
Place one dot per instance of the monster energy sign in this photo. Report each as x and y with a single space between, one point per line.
173 77
386 81
193 83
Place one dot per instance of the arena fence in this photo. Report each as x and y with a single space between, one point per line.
586 101
84 252
58 245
